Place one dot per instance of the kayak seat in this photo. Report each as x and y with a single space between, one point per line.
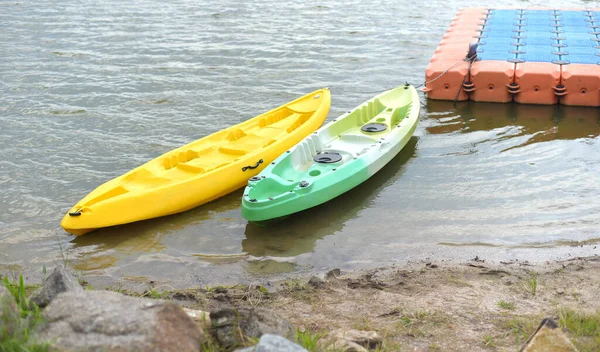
299 122
244 145
233 151
286 122
274 117
269 132
190 168
354 144
235 134
307 149
357 138
181 157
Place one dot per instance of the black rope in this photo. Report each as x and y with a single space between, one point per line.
471 60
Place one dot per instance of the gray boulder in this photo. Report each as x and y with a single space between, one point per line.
9 313
109 321
316 282
59 281
274 343
232 327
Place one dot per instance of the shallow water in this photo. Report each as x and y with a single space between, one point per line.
91 90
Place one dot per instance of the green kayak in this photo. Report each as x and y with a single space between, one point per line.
336 158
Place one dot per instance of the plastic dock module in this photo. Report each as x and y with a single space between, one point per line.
531 56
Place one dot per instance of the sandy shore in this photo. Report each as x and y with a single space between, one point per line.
431 306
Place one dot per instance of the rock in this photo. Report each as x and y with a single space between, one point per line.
316 282
352 340
9 313
548 338
200 317
507 281
109 321
333 274
232 326
274 343
59 281
345 346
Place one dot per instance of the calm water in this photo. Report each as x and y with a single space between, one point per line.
90 90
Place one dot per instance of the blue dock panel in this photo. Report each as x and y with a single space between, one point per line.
541 36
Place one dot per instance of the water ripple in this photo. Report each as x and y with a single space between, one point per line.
92 89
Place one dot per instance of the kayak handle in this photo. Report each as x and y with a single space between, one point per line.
252 167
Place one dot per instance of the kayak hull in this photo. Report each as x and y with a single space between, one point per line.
200 171
336 158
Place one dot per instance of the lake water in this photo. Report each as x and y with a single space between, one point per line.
90 90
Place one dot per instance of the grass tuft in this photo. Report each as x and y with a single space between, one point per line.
507 305
26 319
308 340
488 341
584 328
532 283
521 327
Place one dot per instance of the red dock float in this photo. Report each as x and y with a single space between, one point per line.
530 56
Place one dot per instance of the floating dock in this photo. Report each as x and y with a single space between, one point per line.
530 56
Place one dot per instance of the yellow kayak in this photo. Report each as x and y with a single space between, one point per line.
201 171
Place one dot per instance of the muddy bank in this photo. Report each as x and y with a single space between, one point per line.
472 305
432 306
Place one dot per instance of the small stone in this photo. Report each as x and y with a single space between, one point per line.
232 325
353 340
200 317
59 281
560 292
345 346
316 282
274 343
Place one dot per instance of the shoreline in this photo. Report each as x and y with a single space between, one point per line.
470 305
473 305
249 270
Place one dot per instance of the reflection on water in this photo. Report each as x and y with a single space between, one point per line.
299 233
104 247
540 123
269 267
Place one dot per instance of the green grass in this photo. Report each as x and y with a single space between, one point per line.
521 327
209 346
117 287
532 283
415 323
308 340
488 341
507 305
152 293
583 328
27 317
